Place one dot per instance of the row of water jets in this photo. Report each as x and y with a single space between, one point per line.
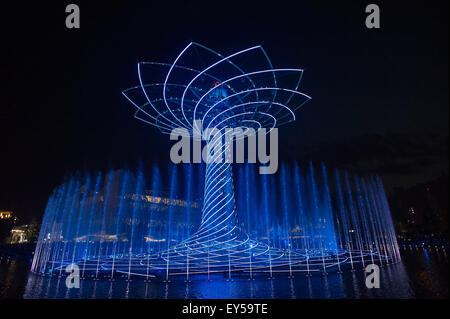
119 224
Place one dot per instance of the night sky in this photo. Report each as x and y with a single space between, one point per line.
379 97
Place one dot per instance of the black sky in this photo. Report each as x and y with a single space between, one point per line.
63 109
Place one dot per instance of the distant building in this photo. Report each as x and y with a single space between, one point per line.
18 234
7 222
411 216
6 215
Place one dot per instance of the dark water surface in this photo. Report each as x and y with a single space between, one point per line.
422 274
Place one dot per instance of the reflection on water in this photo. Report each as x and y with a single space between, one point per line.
428 270
348 285
423 274
13 277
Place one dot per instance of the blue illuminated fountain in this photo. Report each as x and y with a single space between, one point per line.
296 221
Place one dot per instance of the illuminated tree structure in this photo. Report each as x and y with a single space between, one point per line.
110 227
203 89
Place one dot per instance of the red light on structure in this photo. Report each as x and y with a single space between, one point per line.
216 83
428 189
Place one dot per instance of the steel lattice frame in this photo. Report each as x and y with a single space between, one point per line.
239 90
